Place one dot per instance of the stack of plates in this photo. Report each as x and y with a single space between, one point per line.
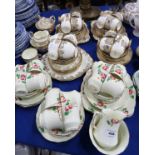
21 39
26 12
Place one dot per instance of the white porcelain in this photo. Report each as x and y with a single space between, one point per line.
20 86
35 98
35 82
57 136
135 79
107 130
45 23
114 44
40 36
50 120
109 21
134 22
86 63
29 54
71 22
71 121
62 48
110 140
36 66
61 118
116 90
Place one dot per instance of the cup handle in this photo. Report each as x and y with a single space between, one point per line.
52 18
31 34
131 20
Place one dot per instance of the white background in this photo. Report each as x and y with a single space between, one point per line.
147 77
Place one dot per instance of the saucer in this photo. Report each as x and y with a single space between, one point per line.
29 54
58 136
33 99
82 35
86 63
123 138
124 59
126 103
99 33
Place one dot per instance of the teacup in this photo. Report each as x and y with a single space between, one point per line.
35 82
20 86
49 119
62 48
52 98
112 87
35 66
106 132
134 22
40 36
71 103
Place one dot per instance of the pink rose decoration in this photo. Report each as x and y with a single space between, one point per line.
23 77
130 91
118 71
21 67
62 98
105 67
101 104
114 121
70 106
103 76
35 66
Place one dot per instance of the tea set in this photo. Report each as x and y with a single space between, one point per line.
108 20
46 23
131 16
107 90
114 48
108 86
73 23
40 40
60 116
65 61
31 83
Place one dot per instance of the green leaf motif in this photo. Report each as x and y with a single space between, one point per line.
66 113
41 129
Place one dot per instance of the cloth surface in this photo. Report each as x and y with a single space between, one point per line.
26 131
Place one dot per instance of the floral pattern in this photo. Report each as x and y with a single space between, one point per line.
101 104
112 122
68 105
131 92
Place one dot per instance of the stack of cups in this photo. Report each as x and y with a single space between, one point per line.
26 12
21 39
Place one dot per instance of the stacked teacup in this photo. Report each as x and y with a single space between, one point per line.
40 40
26 12
73 23
108 86
65 61
108 20
114 48
21 39
60 116
131 16
32 83
108 92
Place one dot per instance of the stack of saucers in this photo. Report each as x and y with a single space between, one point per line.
21 39
27 12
